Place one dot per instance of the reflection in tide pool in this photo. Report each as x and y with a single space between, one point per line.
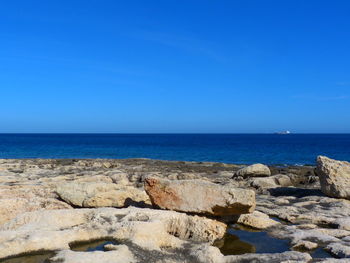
241 240
90 246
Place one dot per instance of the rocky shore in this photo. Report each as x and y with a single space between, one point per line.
141 210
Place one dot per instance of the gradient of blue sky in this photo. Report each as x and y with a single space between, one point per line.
174 66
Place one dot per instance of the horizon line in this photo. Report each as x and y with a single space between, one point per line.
167 133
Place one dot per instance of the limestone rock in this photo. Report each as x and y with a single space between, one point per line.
203 253
257 220
207 254
271 181
145 229
332 260
305 245
340 250
254 170
197 196
120 254
289 256
334 177
92 194
17 200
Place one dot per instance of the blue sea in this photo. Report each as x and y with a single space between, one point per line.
292 149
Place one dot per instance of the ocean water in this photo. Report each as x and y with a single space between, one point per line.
293 149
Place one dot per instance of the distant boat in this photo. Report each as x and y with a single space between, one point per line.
283 132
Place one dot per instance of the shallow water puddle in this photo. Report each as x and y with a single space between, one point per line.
39 258
89 246
240 240
320 253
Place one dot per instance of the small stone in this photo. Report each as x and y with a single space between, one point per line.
307 226
110 247
257 220
305 245
254 170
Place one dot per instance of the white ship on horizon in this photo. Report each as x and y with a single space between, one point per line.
283 132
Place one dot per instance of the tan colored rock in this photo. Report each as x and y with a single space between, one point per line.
262 183
120 178
282 180
254 170
94 194
120 254
277 180
285 257
94 179
20 199
334 177
54 230
207 254
305 245
198 196
257 220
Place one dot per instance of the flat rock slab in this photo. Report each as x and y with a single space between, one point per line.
92 194
197 196
15 200
334 177
289 256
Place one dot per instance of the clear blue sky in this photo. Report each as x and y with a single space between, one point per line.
174 66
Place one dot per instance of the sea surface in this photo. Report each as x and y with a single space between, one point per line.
291 149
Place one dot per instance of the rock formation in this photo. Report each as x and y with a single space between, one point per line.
95 194
38 200
197 196
334 177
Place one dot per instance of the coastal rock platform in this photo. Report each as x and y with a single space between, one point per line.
48 208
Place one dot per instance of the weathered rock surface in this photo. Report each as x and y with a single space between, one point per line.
334 177
305 245
197 196
331 260
17 199
191 254
271 181
148 229
316 218
254 170
340 250
257 220
94 194
289 256
121 254
291 195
